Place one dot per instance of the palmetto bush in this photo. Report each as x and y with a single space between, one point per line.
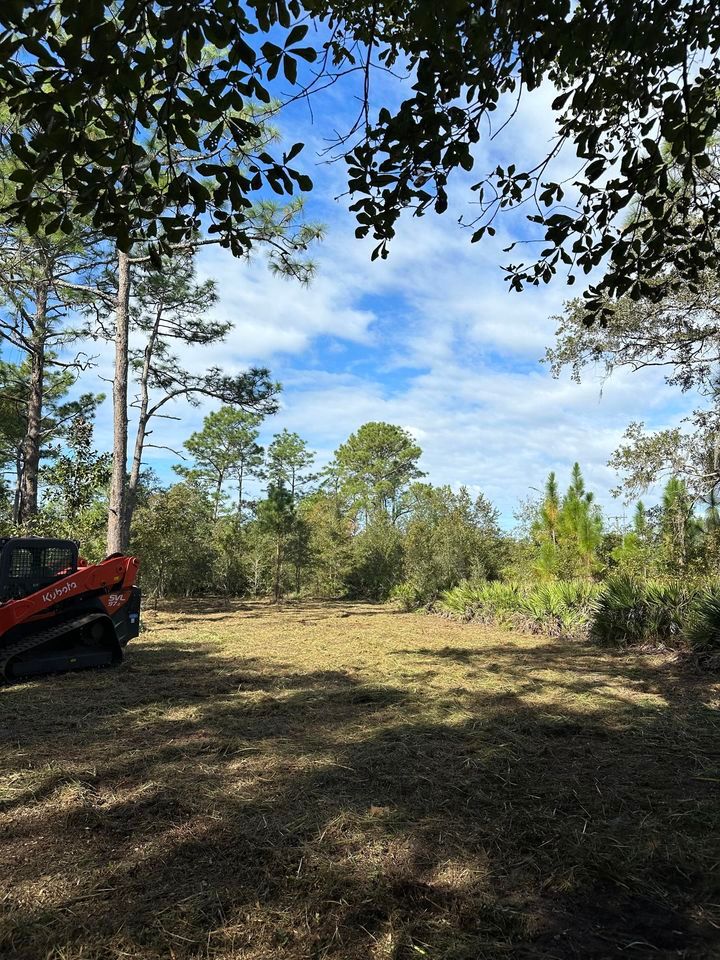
667 606
621 612
407 596
457 602
484 600
624 611
703 621
561 608
632 611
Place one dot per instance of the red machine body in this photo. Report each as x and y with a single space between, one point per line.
58 612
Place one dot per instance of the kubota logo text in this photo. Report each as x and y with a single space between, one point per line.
59 592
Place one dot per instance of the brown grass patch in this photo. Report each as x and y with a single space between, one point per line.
339 781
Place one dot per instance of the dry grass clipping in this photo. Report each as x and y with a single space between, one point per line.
334 781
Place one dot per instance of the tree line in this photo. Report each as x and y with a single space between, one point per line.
243 519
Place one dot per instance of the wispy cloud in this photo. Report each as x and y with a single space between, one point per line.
430 339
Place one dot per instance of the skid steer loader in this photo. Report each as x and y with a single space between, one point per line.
58 612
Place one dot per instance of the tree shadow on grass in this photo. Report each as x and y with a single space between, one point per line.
573 659
193 805
220 610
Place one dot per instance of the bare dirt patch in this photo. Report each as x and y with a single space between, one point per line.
340 781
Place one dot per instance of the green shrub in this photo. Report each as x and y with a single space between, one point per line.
632 611
703 621
457 602
486 600
407 596
560 608
498 597
377 561
624 611
666 610
620 615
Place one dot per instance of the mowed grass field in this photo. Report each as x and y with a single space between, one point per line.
342 781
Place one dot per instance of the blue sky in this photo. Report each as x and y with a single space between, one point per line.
430 339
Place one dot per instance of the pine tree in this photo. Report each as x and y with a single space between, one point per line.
225 449
288 460
276 516
634 554
568 533
172 309
43 277
550 509
545 531
581 523
679 528
376 466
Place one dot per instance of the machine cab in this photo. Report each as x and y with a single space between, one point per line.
28 564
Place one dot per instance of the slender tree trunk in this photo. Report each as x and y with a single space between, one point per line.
134 481
118 532
278 567
682 531
18 485
31 442
143 420
240 490
218 492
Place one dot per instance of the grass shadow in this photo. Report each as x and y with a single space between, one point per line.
193 803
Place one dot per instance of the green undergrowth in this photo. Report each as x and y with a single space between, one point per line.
623 611
559 609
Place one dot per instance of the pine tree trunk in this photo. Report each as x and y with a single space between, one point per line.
118 532
31 442
143 420
278 567
218 493
18 485
134 481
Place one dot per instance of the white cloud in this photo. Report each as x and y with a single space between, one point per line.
272 315
430 339
497 431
